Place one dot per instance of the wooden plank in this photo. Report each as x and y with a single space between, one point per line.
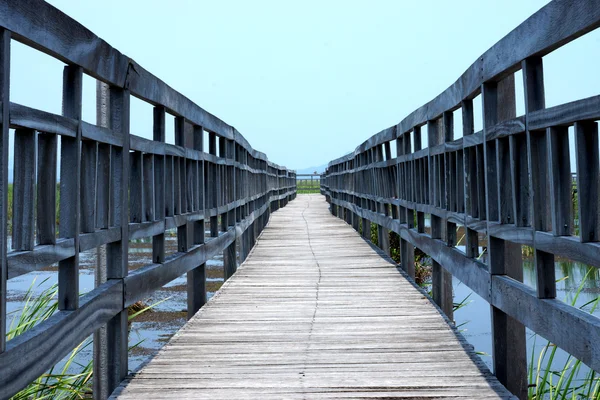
588 174
135 187
539 148
23 190
160 184
4 144
88 183
54 338
148 187
508 335
561 180
70 187
46 188
335 320
117 252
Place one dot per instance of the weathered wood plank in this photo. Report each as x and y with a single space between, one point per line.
321 327
4 144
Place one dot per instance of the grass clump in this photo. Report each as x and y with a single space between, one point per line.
549 382
72 380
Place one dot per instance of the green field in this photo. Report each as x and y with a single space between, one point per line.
305 186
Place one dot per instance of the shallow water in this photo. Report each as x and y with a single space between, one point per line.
150 330
474 320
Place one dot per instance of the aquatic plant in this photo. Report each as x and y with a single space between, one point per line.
549 382
73 379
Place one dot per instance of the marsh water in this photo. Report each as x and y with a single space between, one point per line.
150 330
474 320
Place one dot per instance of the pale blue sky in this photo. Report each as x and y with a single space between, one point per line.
305 82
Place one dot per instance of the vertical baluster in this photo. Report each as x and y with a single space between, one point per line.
229 254
88 183
70 175
196 278
213 186
23 191
4 130
184 232
160 186
470 180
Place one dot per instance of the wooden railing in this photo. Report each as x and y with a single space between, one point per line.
114 187
507 185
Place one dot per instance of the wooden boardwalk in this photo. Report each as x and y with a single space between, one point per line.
315 313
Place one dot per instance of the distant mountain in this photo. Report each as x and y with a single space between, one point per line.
311 170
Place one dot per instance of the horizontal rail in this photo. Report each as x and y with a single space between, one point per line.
508 185
114 187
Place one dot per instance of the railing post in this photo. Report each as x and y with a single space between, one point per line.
508 335
100 357
539 145
117 252
70 175
4 130
213 185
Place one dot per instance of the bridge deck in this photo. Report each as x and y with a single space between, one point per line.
315 313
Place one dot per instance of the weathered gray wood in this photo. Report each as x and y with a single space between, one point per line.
23 190
212 185
103 186
135 187
160 191
4 144
70 186
56 337
117 252
148 187
88 183
100 355
561 181
588 174
547 316
46 188
320 329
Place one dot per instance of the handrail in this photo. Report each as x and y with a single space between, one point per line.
114 187
508 185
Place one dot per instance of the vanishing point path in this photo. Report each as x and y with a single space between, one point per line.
315 312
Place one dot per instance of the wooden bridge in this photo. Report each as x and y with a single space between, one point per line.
314 311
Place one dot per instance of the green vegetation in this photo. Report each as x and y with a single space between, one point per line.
306 186
549 382
422 262
58 382
10 207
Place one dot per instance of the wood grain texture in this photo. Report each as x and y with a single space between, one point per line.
314 312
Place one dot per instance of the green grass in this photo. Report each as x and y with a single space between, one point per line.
71 381
306 186
549 382
10 207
